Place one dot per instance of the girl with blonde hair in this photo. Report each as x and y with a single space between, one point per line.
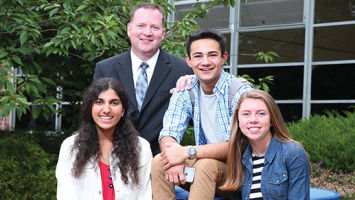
263 160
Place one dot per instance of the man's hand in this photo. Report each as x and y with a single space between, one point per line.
173 154
175 174
181 82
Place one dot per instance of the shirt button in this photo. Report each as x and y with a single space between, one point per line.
111 185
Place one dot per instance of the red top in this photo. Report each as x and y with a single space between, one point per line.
108 191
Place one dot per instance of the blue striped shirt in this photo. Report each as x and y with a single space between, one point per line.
181 110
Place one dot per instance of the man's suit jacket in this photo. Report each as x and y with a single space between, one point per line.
168 69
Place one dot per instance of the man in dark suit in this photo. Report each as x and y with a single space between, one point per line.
147 69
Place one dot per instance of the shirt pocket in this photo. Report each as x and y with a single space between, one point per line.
278 186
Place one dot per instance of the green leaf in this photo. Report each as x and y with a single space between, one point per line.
265 87
104 39
75 27
81 7
3 54
42 88
17 59
36 112
52 100
23 37
9 86
48 44
18 112
37 101
51 107
34 90
271 53
6 109
73 44
53 12
49 81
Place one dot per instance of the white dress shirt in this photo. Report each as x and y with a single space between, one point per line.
136 62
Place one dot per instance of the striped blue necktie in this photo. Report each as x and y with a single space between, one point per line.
141 85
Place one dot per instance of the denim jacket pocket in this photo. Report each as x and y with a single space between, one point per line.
278 186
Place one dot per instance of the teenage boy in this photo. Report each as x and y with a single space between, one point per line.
208 105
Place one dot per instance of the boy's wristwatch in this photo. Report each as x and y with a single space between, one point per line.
191 151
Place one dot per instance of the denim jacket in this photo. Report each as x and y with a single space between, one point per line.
285 174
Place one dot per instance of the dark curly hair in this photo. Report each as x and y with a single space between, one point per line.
126 150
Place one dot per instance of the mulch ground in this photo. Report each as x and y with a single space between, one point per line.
341 182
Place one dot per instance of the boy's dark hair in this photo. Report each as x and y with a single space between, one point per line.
203 34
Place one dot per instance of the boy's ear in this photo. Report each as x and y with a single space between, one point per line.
188 60
225 57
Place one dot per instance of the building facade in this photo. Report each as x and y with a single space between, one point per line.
314 39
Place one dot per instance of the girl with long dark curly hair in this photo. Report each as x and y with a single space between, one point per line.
105 159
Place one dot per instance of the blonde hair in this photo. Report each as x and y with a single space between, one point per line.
239 142
148 5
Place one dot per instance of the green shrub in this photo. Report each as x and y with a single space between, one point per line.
189 137
26 170
51 141
328 139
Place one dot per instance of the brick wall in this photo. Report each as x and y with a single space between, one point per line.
5 123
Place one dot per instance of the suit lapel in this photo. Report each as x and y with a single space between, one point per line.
161 70
124 72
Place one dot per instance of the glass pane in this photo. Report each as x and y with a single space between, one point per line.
70 117
287 84
218 16
228 46
291 112
334 43
322 109
333 82
270 12
27 122
334 11
288 44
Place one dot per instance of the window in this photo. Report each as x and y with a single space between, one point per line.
288 44
287 84
262 12
218 16
334 43
333 82
334 10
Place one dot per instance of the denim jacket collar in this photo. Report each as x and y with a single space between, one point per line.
272 150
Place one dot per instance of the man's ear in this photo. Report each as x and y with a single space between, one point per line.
164 31
128 29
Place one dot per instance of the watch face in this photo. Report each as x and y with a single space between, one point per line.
192 151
